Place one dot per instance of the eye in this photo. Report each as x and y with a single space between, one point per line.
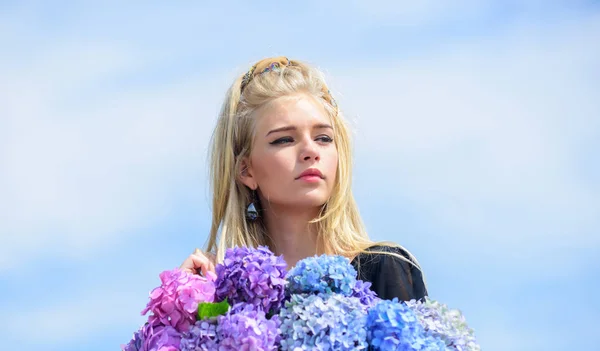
283 140
325 139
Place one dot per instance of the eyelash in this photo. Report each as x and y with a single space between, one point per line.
285 140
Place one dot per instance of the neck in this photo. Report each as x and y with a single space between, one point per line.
291 233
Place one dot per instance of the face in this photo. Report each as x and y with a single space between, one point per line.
294 159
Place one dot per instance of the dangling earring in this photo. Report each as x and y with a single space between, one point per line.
251 212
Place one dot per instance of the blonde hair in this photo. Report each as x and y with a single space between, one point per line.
339 225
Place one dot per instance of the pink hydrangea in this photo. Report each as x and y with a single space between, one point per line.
175 302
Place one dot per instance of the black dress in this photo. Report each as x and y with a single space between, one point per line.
390 276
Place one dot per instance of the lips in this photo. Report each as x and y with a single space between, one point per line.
311 172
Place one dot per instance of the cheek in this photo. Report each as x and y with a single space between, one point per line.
271 169
332 162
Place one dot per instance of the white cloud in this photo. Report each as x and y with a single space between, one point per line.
82 166
417 13
485 137
425 14
82 312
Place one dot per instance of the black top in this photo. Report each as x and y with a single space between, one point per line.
389 275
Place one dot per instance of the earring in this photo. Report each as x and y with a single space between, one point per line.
251 212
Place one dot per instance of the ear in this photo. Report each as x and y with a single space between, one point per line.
245 174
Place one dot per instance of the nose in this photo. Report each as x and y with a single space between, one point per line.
310 151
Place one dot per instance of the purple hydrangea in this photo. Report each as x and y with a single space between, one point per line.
323 322
175 302
322 274
156 336
254 276
202 336
447 324
245 327
362 290
392 325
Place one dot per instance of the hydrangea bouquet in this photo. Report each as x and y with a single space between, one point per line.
253 303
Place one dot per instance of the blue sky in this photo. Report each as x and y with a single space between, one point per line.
477 130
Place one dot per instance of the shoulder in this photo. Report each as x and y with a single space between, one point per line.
392 272
379 256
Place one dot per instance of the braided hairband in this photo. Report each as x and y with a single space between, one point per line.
275 64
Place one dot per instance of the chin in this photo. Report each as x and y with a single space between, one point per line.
312 200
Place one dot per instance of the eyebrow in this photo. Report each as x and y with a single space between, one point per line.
288 128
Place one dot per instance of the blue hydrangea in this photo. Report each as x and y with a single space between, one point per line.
245 327
322 274
447 324
392 325
202 336
323 322
254 276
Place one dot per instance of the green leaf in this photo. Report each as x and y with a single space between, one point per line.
212 309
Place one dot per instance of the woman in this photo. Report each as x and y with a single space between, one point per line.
281 177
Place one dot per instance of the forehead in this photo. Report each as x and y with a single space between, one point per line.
296 110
